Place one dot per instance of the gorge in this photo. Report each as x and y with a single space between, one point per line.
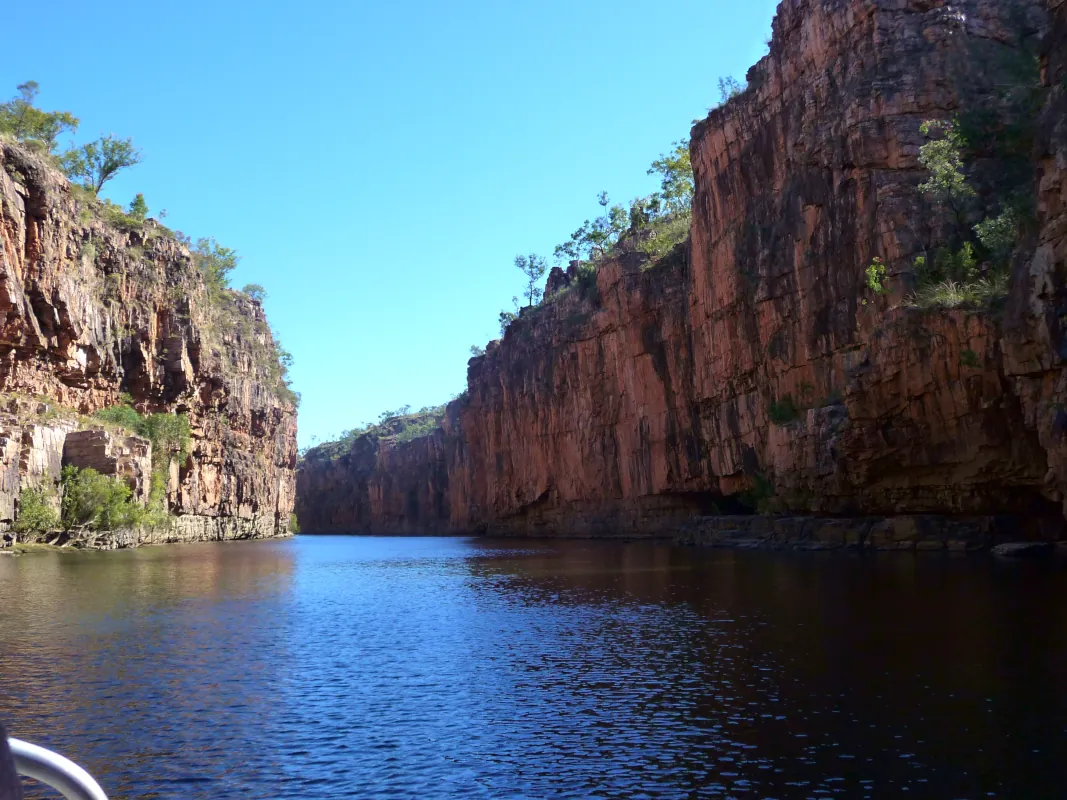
757 369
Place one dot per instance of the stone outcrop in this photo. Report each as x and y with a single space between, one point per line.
754 370
128 458
93 314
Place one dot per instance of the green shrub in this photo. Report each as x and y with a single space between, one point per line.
170 437
729 88
294 525
418 429
169 433
665 234
114 216
123 416
783 411
215 263
951 294
255 291
998 235
761 497
95 501
155 514
876 276
969 358
36 511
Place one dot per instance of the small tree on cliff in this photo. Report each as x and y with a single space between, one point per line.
676 179
255 291
98 162
596 237
19 117
138 208
533 267
943 156
216 263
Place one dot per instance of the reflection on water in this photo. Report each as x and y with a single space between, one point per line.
335 668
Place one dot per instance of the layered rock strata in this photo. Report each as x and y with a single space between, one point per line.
93 314
754 370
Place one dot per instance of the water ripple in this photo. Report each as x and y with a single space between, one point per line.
334 668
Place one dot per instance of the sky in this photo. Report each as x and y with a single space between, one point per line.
378 165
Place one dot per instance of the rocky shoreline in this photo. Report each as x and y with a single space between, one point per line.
183 529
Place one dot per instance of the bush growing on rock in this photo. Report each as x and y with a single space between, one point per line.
97 502
122 415
36 511
171 440
169 433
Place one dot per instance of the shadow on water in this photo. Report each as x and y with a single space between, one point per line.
333 667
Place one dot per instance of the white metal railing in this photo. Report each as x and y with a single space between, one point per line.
62 774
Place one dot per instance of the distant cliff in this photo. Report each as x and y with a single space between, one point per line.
755 370
93 314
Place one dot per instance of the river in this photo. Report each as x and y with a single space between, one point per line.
334 667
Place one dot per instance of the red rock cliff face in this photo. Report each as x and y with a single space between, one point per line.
88 311
664 393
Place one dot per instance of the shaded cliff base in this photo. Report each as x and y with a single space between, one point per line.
917 532
696 520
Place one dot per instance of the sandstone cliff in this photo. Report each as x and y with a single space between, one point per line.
658 396
89 312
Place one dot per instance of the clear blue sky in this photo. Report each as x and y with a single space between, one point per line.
378 165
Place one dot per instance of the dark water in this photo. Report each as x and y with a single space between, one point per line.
338 668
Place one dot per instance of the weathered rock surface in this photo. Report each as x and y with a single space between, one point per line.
116 455
669 393
89 311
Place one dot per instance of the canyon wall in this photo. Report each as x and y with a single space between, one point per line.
93 314
753 369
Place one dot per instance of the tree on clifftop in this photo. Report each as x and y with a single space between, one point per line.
98 162
216 262
676 178
255 291
533 267
20 118
139 208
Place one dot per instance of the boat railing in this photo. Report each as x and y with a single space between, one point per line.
62 774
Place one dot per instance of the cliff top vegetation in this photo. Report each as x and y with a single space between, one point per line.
89 166
400 425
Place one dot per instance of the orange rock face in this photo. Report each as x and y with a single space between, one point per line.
756 370
88 311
